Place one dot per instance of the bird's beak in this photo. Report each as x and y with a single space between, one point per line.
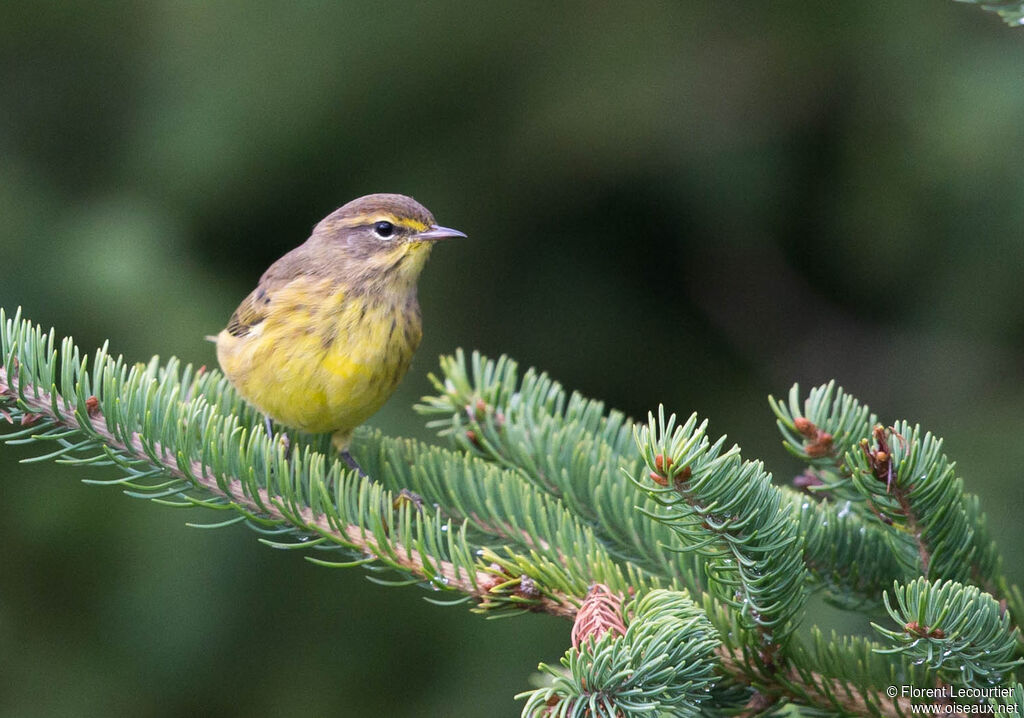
435 233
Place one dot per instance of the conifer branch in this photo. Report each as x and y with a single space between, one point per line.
177 433
896 478
820 431
661 662
837 674
847 556
537 507
43 413
957 631
729 510
564 444
797 683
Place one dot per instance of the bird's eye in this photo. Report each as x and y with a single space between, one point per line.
383 229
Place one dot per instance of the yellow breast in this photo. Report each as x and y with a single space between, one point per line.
322 361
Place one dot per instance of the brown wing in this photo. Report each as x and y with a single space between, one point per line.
250 312
253 308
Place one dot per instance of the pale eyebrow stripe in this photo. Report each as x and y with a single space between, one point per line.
365 220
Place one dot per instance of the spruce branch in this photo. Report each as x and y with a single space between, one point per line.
566 445
898 480
531 512
859 673
189 453
820 431
406 541
729 510
839 674
487 410
521 530
957 631
661 663
913 488
848 557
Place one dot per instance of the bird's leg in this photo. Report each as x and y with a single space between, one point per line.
341 442
284 437
353 464
406 496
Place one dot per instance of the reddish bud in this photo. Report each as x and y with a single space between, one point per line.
805 426
92 406
821 446
918 630
481 409
662 464
880 458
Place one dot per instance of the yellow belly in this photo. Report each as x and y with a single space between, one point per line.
321 362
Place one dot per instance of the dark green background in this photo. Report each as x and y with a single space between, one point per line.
692 203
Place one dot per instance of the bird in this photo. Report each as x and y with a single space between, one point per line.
330 329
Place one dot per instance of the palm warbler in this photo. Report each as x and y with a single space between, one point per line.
330 329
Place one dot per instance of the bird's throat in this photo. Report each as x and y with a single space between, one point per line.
399 268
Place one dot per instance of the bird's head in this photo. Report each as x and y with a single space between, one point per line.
381 234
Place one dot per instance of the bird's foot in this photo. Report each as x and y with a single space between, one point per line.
284 438
408 497
404 496
353 464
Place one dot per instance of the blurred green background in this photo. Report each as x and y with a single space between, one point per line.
679 202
